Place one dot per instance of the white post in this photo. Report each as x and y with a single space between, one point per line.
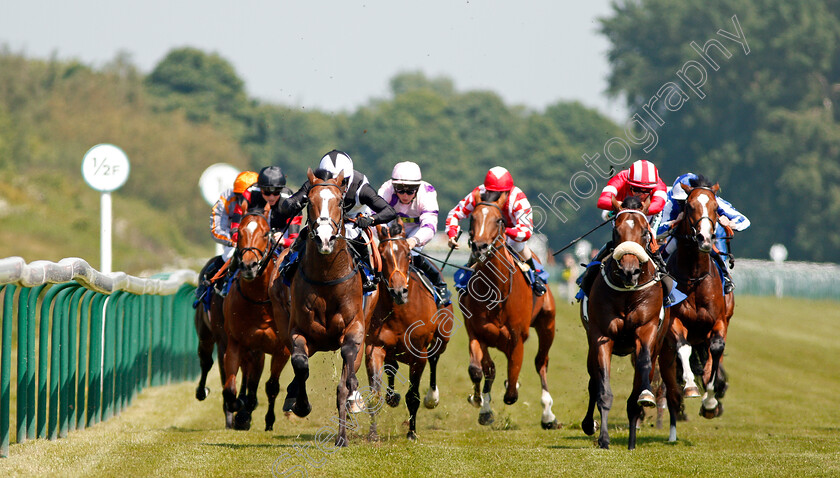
105 234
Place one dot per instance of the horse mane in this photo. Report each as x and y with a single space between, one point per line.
491 196
700 181
632 202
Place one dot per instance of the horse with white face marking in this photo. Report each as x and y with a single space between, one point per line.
624 315
702 320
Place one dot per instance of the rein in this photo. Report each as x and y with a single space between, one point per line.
329 282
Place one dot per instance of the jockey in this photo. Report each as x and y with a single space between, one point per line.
728 216
517 214
272 190
641 180
415 201
224 222
358 194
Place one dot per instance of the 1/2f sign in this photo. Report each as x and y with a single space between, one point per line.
105 167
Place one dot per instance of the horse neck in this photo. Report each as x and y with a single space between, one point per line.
324 267
691 260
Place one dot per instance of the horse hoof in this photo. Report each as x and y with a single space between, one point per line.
486 418
373 437
511 399
302 410
691 392
473 401
201 393
242 422
392 399
712 412
289 404
646 399
552 425
588 426
432 399
604 443
411 435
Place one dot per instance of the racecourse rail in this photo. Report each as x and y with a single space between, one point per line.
101 339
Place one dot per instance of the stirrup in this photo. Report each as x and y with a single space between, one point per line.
444 296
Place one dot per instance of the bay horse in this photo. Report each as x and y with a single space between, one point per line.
624 315
250 323
499 307
327 310
702 319
210 328
406 326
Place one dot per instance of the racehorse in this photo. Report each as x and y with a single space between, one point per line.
407 326
326 300
250 323
210 328
701 321
624 315
499 307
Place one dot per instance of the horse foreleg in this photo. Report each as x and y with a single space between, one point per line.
641 396
432 398
514 367
485 413
272 386
392 397
476 357
232 364
711 406
668 371
205 352
588 423
300 364
375 362
679 335
252 367
348 384
412 398
605 395
545 335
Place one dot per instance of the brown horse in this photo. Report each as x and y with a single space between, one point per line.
499 308
250 323
327 310
702 319
406 326
210 328
624 315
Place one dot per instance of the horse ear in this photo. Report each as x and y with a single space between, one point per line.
400 225
686 187
503 198
646 205
340 178
310 175
716 188
381 231
615 204
476 196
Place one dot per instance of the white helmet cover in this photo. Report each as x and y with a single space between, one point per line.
336 161
406 173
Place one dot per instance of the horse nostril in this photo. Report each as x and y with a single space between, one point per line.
637 272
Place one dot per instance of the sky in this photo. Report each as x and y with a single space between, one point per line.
337 55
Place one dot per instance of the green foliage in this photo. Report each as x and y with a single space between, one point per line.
768 125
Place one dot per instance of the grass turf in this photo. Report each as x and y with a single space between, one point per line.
781 419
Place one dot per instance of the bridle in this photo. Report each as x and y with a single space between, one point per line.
406 277
336 227
263 255
694 225
499 235
646 237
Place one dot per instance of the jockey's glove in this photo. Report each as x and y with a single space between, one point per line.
364 222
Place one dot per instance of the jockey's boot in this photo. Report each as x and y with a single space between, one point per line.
223 284
362 253
728 284
434 275
667 287
586 279
538 285
204 276
657 259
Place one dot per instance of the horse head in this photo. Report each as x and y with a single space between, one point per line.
631 234
253 244
396 257
700 215
324 213
487 223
